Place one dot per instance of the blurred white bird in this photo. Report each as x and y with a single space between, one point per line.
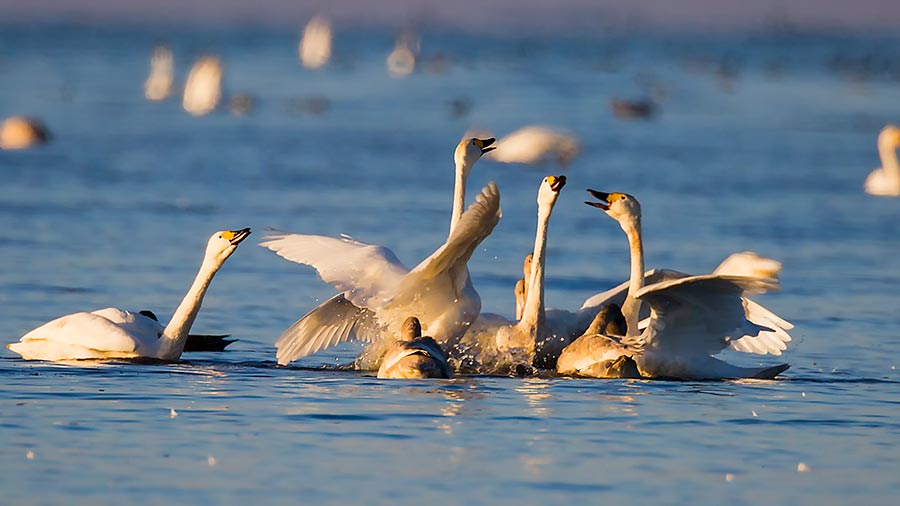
315 45
203 88
536 145
158 85
885 180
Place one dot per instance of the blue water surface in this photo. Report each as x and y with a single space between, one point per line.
762 143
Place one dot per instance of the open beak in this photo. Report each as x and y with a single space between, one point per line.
557 182
239 235
602 197
484 143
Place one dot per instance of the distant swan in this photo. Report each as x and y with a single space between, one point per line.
885 181
497 339
114 333
19 132
203 88
158 85
315 45
414 356
347 316
691 318
536 145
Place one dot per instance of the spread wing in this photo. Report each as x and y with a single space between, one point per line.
335 321
363 271
473 227
617 294
700 314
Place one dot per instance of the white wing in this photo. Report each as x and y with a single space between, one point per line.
699 314
364 271
335 321
617 294
474 226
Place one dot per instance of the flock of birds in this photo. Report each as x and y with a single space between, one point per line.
659 323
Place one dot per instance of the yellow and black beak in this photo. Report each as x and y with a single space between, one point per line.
236 236
483 144
556 182
602 197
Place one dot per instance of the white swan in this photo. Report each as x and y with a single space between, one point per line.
203 88
885 181
496 340
114 333
414 356
379 291
315 45
338 320
158 85
691 318
536 145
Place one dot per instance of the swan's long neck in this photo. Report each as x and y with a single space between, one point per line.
176 332
631 308
533 316
889 163
459 194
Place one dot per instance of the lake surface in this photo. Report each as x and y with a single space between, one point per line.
762 143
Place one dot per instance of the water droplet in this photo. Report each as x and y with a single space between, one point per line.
211 460
803 468
754 413
729 477
802 394
172 413
29 455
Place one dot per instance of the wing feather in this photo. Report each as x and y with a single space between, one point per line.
364 271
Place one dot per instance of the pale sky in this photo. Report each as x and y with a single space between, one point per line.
477 14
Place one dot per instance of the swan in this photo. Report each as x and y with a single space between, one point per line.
496 339
115 333
521 289
203 88
691 318
158 85
600 352
338 320
315 45
536 145
414 356
885 181
19 132
378 290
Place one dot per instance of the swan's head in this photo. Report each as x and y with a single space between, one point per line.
549 191
621 207
412 329
526 265
470 150
223 243
889 138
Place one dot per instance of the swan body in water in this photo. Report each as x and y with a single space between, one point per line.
691 318
115 333
203 88
315 45
536 145
414 356
377 287
885 181
601 352
497 342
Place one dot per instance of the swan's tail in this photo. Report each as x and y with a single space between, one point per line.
770 372
203 342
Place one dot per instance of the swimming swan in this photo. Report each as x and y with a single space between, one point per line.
525 338
414 356
378 291
885 181
115 333
691 318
